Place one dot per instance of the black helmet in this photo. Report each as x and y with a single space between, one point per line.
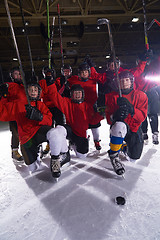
12 77
127 74
66 66
46 69
82 67
35 84
77 87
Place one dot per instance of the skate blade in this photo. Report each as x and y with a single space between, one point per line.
56 179
146 142
16 162
66 165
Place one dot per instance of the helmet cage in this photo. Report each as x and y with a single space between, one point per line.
82 67
47 69
127 74
39 91
66 66
11 75
77 87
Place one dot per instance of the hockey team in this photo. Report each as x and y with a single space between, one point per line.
59 111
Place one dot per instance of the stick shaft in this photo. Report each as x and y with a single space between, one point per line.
17 51
49 45
27 39
52 35
145 26
60 34
114 57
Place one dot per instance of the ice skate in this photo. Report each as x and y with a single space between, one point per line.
55 166
123 151
17 158
37 166
155 138
46 150
116 163
97 145
145 138
65 159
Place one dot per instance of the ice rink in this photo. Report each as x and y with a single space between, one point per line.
81 205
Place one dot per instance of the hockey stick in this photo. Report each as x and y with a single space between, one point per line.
60 34
17 51
49 45
27 39
152 22
145 26
51 41
104 21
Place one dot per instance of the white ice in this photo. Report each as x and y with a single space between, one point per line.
81 205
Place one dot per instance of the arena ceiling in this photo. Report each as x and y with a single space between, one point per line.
80 33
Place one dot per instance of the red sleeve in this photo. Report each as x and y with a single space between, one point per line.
58 84
47 115
7 111
140 110
99 77
57 100
139 69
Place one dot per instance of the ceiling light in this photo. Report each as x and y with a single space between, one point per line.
108 56
64 22
100 67
135 19
98 27
15 59
27 23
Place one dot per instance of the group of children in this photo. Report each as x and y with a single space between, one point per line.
60 111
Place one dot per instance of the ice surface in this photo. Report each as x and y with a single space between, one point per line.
81 205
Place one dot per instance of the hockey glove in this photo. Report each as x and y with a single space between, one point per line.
33 113
63 80
148 56
120 114
124 103
89 61
3 90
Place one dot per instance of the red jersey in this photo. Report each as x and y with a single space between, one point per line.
15 111
78 115
139 101
137 71
15 92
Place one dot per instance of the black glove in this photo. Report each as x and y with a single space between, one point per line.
89 61
33 113
63 80
148 56
3 90
120 114
125 104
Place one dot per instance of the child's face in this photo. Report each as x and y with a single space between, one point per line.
84 74
125 83
66 72
33 91
77 95
111 66
17 75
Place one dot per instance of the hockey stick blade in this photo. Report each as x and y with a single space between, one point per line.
102 21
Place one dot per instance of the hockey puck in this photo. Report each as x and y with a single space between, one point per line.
120 200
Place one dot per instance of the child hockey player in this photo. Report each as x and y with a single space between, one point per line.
34 122
78 115
88 82
10 92
125 115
